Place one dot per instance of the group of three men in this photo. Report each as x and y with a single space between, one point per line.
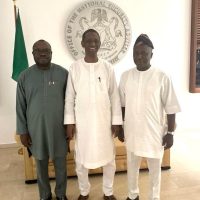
88 103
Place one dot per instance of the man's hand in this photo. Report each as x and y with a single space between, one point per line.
26 140
115 130
70 131
121 134
168 141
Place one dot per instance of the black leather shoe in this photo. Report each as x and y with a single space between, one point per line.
62 198
48 198
81 197
111 197
137 198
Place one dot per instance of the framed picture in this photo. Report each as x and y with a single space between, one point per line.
194 86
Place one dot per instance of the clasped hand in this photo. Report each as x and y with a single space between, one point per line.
117 131
26 140
168 141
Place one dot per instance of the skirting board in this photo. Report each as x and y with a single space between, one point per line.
13 145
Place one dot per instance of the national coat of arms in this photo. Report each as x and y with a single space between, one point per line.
106 18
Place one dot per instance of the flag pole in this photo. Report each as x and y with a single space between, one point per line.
15 10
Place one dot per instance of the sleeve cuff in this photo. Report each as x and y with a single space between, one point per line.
69 119
21 130
172 109
117 120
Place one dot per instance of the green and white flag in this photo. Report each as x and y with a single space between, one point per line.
20 60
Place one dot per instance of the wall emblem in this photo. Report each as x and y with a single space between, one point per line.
110 22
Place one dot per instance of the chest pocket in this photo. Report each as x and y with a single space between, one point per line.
54 88
101 85
102 93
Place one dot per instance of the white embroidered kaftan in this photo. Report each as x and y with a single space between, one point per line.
93 104
147 96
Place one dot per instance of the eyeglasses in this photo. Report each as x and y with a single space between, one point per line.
41 51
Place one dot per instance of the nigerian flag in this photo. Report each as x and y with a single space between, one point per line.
20 61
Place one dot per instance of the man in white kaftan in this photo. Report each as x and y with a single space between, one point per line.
147 95
93 107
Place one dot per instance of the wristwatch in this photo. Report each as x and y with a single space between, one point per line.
170 132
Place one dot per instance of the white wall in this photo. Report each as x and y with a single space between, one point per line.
167 22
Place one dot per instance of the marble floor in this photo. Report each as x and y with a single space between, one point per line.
181 182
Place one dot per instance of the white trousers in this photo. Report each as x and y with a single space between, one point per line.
133 165
108 178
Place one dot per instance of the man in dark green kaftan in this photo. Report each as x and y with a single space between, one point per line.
40 111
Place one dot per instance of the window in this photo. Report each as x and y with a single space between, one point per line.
195 48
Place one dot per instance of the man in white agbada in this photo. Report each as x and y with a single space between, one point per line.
93 115
147 96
